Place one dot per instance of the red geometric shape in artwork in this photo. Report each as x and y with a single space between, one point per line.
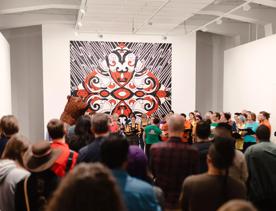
122 109
139 94
104 93
122 45
121 78
82 93
161 93
111 85
122 93
112 101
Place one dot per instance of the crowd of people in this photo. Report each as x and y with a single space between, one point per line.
175 162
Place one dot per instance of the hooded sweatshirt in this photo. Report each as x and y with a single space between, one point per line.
10 175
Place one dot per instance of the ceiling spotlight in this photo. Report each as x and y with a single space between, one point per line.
77 33
82 11
164 37
150 23
204 29
100 35
219 21
79 24
246 7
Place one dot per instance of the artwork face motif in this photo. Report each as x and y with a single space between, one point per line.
122 78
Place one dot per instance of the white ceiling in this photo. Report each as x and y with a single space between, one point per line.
154 17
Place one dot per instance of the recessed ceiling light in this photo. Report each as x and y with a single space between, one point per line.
79 24
246 7
82 11
204 29
219 21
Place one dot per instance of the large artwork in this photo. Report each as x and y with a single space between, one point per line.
122 78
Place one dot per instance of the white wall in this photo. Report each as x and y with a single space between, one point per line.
56 66
26 79
5 77
250 77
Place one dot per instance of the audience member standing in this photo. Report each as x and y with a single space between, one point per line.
87 187
138 195
173 161
68 158
249 136
264 119
152 134
145 121
8 127
202 143
81 134
238 170
33 193
12 170
261 161
237 205
133 131
209 191
100 128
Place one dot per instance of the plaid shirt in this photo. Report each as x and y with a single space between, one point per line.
171 162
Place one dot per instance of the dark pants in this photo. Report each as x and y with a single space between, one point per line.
247 144
141 143
133 140
148 146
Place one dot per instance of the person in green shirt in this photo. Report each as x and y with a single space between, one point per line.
152 134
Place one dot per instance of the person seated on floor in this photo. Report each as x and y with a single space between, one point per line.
202 143
172 161
87 187
12 170
261 161
138 195
67 160
210 190
100 129
33 193
8 127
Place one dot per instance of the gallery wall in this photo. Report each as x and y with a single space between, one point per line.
26 79
250 77
56 66
5 77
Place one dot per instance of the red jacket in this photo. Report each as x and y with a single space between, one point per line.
60 165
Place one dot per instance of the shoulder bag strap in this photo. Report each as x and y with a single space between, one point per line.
26 194
69 161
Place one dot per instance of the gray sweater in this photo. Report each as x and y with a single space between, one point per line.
10 175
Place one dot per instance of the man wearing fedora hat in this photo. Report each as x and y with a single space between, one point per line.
100 128
68 158
33 192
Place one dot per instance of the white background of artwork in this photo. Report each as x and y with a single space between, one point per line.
5 77
250 77
56 66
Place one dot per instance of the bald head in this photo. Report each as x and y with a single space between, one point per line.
176 124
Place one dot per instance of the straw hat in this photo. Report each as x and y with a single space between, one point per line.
40 157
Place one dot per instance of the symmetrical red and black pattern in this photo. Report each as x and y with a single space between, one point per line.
122 78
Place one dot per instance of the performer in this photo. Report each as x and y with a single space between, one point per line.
133 131
144 122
